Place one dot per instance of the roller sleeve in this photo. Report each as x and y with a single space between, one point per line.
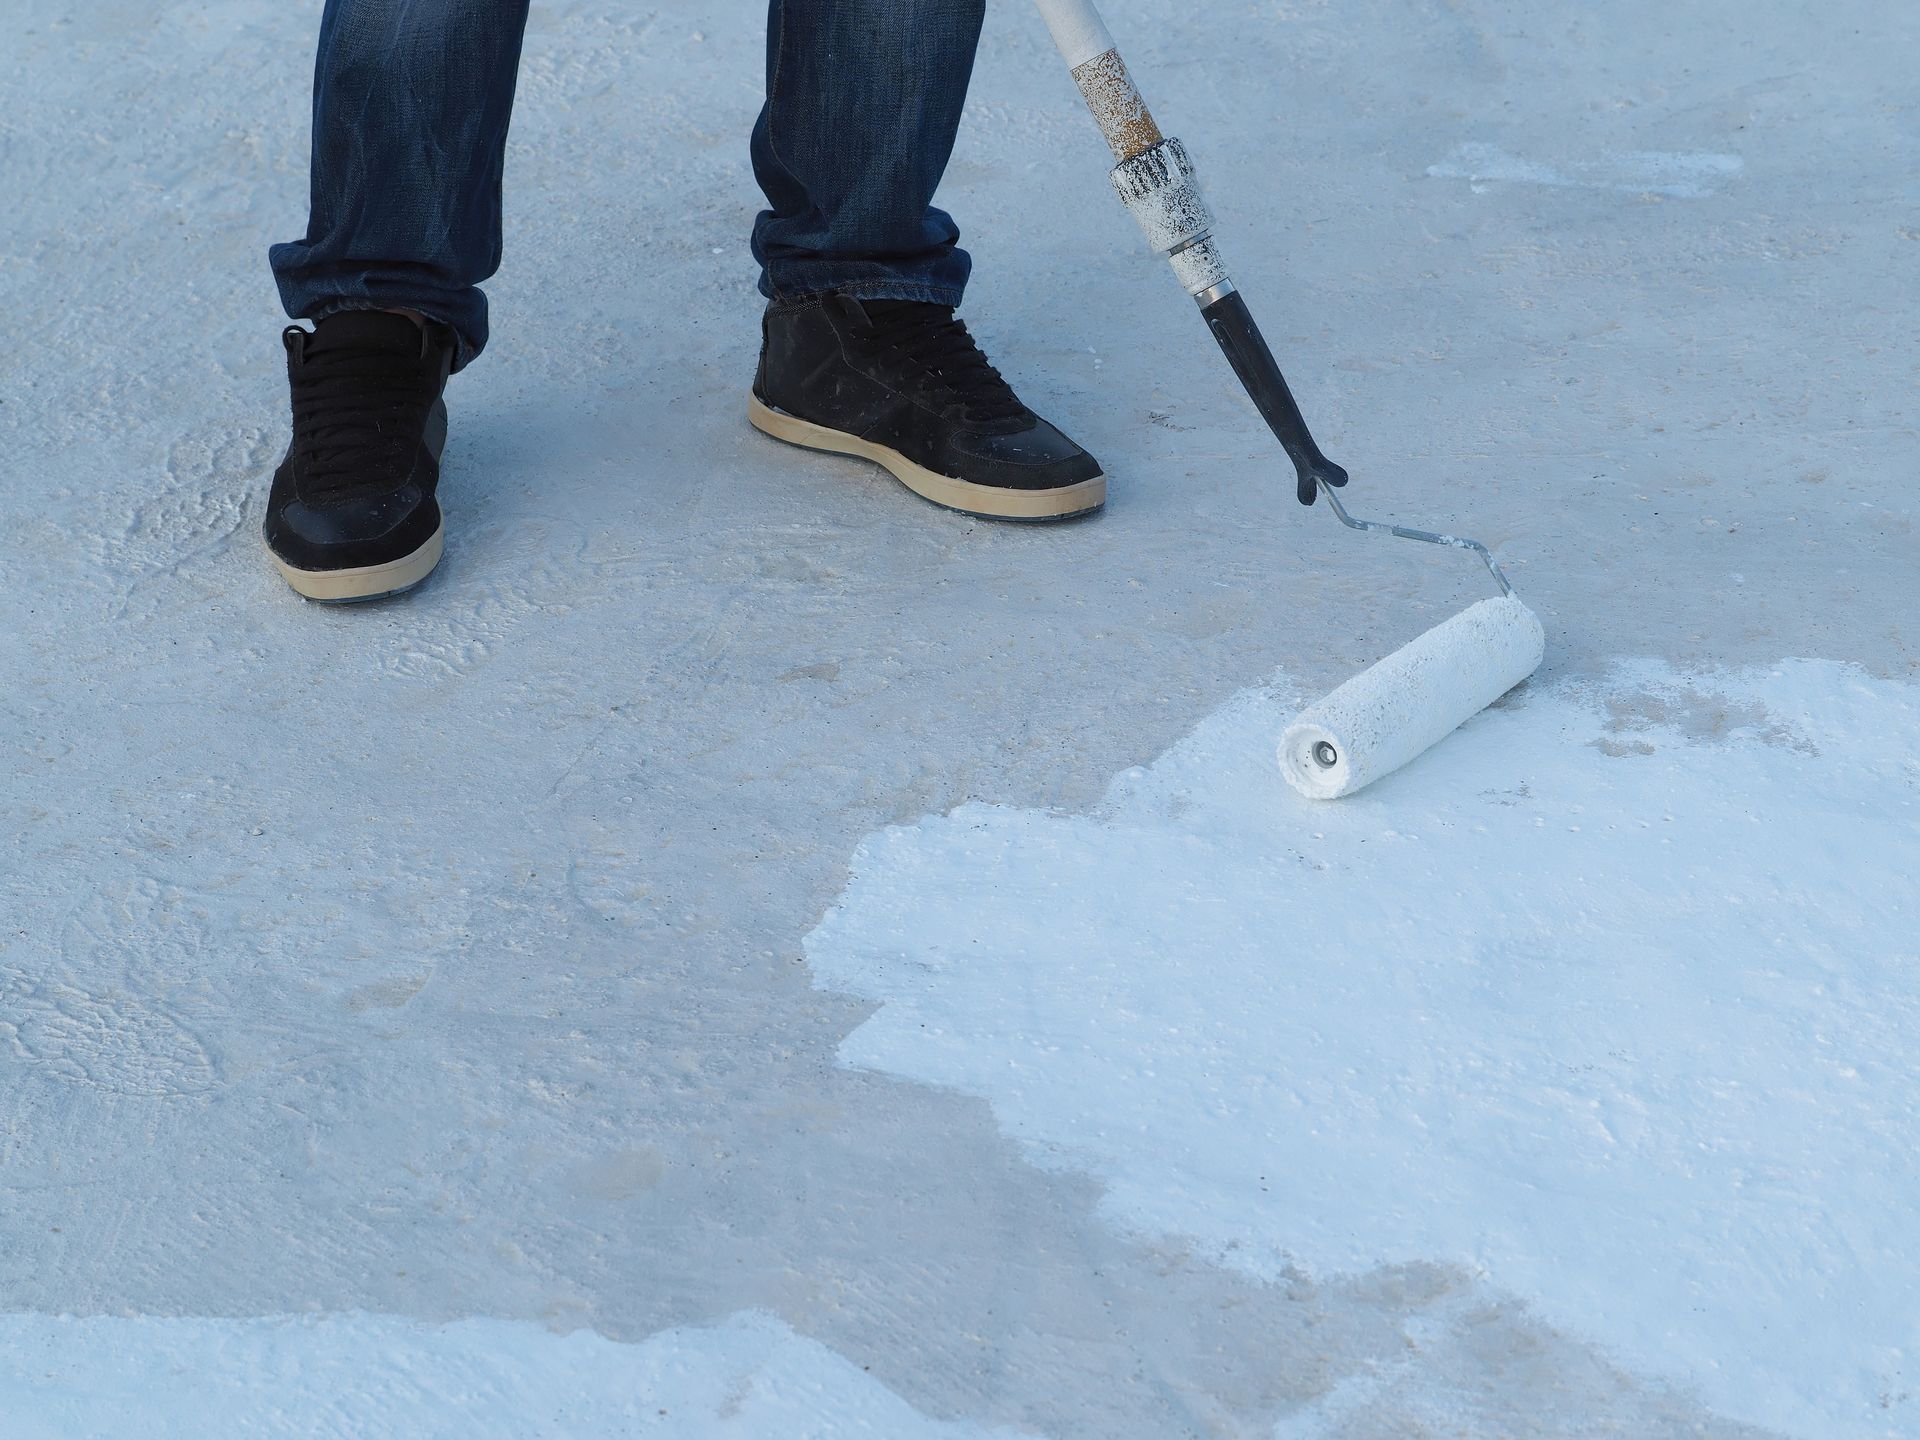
1417 696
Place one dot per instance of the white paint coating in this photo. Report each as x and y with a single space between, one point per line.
1677 175
1627 1021
1161 188
1412 699
379 1377
1199 267
1077 29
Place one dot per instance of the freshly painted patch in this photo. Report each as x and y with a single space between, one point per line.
368 1377
1676 174
1614 995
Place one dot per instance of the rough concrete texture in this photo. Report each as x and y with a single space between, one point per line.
440 959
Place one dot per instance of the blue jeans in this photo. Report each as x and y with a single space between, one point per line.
410 110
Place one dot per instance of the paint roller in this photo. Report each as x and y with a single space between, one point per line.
1420 694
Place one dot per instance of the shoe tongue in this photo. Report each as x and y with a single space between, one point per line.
365 330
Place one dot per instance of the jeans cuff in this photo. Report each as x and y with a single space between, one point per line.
919 291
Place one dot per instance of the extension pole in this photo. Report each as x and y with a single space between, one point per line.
1157 181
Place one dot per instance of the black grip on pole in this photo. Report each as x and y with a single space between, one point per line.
1259 372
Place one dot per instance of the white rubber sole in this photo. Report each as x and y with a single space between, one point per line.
991 501
368 582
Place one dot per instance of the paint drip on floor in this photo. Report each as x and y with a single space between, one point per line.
1673 174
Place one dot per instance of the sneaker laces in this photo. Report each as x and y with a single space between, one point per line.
932 343
358 412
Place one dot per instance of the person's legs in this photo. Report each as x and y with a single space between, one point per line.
410 109
863 102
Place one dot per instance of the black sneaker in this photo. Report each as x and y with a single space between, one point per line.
352 514
904 384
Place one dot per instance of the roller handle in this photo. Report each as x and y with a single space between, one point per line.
1246 350
1087 46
